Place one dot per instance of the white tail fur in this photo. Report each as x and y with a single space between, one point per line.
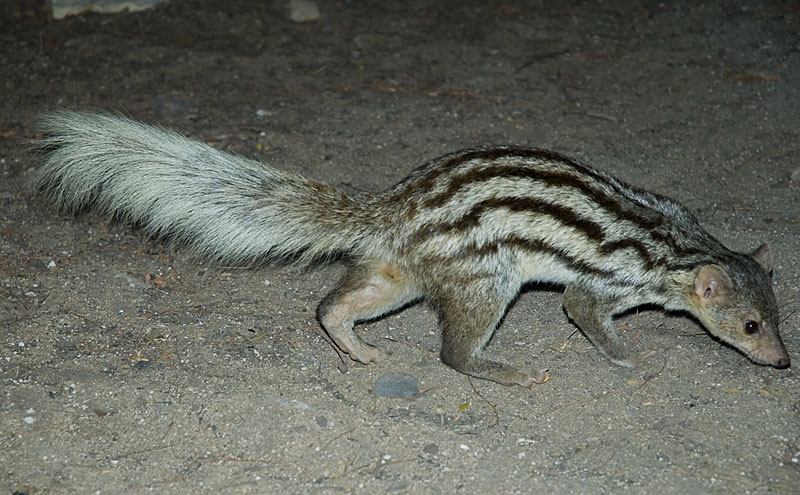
223 206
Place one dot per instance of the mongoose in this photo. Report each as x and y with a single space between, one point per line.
464 232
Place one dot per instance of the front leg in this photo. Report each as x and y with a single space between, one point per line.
593 315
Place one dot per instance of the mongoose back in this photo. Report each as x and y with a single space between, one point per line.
464 232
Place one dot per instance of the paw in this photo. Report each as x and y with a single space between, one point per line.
541 376
618 356
367 354
527 380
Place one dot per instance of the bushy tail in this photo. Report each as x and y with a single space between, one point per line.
223 206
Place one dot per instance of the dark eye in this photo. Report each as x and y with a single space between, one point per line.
750 327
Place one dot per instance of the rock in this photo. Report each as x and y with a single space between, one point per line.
292 403
144 364
303 11
396 385
796 175
431 449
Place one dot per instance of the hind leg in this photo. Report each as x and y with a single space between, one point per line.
365 292
467 325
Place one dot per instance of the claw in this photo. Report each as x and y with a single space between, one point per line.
542 376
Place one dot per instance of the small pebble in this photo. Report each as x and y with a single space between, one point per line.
143 365
170 106
303 11
292 403
796 175
431 449
136 283
396 385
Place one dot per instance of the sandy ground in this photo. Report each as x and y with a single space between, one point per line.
129 366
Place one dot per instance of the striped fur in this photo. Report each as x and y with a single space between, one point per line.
538 194
464 231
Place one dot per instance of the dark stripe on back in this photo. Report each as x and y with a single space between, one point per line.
533 246
649 263
426 175
553 179
592 230
539 246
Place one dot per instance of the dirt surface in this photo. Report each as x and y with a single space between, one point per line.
129 366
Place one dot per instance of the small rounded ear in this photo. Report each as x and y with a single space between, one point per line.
712 282
763 256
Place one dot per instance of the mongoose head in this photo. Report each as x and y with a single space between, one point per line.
736 304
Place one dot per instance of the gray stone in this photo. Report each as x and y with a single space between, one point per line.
396 385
